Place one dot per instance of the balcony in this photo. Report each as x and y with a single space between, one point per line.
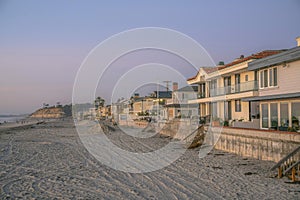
233 89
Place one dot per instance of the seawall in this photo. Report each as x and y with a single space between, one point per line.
259 144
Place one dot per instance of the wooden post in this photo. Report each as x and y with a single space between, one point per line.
279 172
294 174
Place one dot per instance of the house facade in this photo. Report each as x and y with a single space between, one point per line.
178 106
279 91
222 90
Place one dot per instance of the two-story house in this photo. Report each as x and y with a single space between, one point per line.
223 88
178 106
150 105
279 91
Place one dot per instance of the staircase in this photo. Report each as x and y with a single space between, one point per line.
195 138
289 165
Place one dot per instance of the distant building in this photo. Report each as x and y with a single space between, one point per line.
178 106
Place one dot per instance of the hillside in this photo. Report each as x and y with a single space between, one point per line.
48 113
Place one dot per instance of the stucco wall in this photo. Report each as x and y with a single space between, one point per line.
244 114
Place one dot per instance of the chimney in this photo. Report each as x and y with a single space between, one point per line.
298 41
221 63
175 86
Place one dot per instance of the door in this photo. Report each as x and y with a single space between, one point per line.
227 84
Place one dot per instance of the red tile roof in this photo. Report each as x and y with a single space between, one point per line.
259 55
208 70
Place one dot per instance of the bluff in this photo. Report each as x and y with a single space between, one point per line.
48 113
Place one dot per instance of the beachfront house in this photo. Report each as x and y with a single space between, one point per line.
279 91
223 88
178 106
150 105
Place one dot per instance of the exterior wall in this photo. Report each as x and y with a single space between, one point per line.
262 145
244 114
147 104
288 77
221 110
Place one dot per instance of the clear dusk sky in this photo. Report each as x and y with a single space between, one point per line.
43 43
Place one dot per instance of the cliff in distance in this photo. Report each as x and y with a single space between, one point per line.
48 113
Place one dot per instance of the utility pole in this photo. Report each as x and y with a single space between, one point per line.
167 84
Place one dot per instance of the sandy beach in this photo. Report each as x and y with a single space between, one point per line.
48 160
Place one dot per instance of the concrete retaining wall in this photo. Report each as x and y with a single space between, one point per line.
259 144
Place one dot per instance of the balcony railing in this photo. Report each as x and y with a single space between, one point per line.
232 89
200 95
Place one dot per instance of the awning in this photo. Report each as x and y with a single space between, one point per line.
272 97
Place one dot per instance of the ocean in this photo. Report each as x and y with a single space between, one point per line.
12 118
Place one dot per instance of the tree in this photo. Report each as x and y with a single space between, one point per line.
58 105
99 102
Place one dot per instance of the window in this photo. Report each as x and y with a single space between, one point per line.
246 78
295 115
261 79
237 82
268 77
238 107
265 80
214 110
265 115
254 105
275 76
274 115
284 115
227 83
213 87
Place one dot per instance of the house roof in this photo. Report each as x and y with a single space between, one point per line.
258 55
189 88
207 70
163 94
272 97
285 56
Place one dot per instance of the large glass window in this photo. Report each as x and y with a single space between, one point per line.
274 115
295 115
265 115
255 110
284 115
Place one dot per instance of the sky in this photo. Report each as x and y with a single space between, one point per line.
43 43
